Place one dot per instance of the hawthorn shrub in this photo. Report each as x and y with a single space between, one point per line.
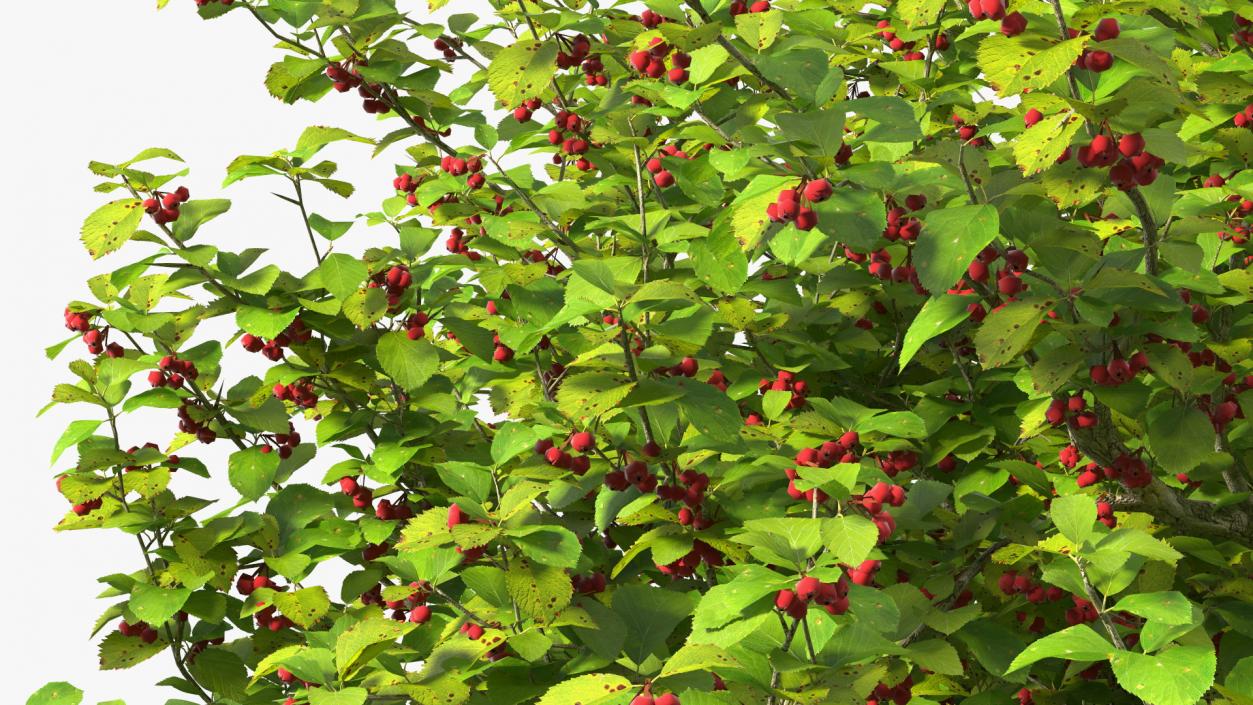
712 353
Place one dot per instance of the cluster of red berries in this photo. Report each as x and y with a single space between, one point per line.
895 43
396 280
248 584
1073 410
300 393
864 574
285 442
650 19
651 62
829 453
1221 413
413 608
295 332
1131 165
1118 370
809 590
686 567
879 266
900 225
407 184
457 517
661 176
1098 60
873 502
97 341
690 491
1105 513
966 132
743 7
1009 279
1012 582
445 45
719 380
593 584
1083 612
1069 456
635 473
578 53
785 381
897 461
139 629
557 457
1131 471
523 112
362 496
415 325
458 167
574 144
188 423
457 244
164 207
790 206
1244 118
345 79
172 371
898 694
986 9
647 698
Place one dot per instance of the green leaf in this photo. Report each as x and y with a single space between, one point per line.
850 538
540 591
522 71
710 411
759 29
316 137
361 642
585 396
193 214
365 307
1029 61
305 607
823 129
548 545
939 315
1074 515
110 226
347 696
949 242
1167 607
409 362
342 274
1005 332
698 657
511 439
60 693
1180 437
263 322
591 689
894 117
155 605
1040 145
1179 676
286 80
120 652
251 472
937 655
650 614
1077 643
76 432
719 261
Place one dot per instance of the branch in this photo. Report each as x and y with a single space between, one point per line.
960 583
740 57
1099 603
1149 226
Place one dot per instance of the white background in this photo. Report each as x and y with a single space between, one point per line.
103 80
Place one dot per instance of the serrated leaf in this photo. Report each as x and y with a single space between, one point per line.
121 652
110 226
409 362
1074 515
591 689
950 240
939 315
1077 643
1040 145
304 607
342 274
522 71
1005 332
540 591
585 396
251 471
365 307
59 693
155 605
286 78
1029 61
263 322
1179 676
